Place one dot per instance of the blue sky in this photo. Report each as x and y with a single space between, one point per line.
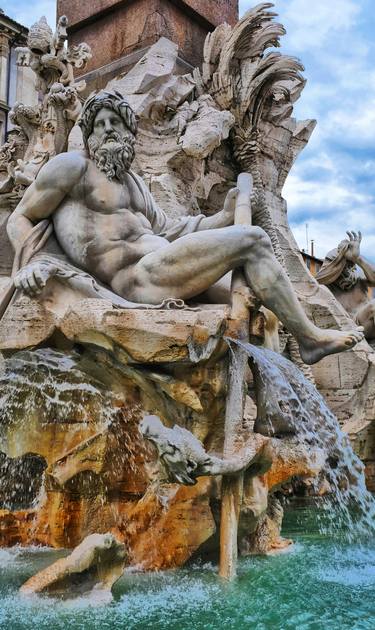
332 184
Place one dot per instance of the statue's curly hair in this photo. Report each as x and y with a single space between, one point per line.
111 100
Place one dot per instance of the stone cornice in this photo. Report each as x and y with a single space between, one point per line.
14 31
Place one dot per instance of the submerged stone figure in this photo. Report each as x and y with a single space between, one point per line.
349 275
91 569
107 223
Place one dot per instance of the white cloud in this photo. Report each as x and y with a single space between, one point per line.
356 124
330 208
320 195
310 25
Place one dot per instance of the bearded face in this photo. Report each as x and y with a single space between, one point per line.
111 146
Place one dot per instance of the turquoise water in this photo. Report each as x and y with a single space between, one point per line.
319 585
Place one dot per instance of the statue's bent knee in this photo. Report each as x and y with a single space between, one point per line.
255 236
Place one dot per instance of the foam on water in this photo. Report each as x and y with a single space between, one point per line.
14 555
6 557
298 591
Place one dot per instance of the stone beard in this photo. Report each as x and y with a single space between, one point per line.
113 153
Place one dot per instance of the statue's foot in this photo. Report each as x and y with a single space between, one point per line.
328 342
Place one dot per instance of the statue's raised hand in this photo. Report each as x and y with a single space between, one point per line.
230 205
33 277
354 246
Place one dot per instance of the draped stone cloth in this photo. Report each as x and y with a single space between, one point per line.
332 268
160 223
31 249
336 269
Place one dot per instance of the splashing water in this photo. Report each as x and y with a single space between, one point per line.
51 385
314 587
42 388
284 392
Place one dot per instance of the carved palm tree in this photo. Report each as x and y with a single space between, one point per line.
255 87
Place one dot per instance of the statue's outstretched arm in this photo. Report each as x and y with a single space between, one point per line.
225 217
44 195
172 229
188 224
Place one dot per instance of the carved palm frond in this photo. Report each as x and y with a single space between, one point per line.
272 69
236 71
254 86
249 38
222 90
268 35
211 52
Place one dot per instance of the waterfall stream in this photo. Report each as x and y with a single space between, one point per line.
43 392
53 385
289 404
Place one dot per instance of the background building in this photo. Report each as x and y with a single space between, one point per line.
16 82
311 261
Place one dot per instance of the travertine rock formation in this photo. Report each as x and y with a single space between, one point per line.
92 471
82 413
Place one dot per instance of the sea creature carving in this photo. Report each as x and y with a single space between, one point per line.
184 457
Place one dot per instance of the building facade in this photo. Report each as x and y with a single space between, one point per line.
16 82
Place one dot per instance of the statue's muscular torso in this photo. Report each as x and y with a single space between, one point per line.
101 224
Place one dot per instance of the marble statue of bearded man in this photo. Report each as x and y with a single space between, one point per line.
109 228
